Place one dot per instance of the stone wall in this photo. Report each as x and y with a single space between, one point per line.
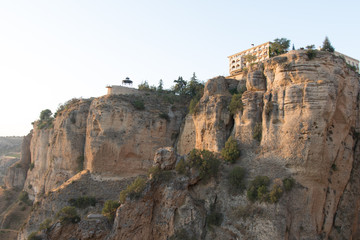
122 90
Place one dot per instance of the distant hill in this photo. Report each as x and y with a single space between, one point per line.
10 145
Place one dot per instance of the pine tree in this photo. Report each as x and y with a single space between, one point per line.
293 48
327 46
160 88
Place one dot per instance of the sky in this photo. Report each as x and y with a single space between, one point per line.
53 51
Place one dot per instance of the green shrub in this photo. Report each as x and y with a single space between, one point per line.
159 175
236 179
46 120
258 189
109 209
34 236
311 53
68 214
181 166
45 224
257 131
134 190
193 106
275 194
32 165
82 202
138 104
80 163
233 91
214 217
29 186
351 67
231 151
205 161
164 116
24 197
288 183
236 104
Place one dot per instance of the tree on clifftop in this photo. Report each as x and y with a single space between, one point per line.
279 46
180 86
327 46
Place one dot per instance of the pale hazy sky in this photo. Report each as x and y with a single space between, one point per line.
52 51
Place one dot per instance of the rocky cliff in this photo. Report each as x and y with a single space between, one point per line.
300 119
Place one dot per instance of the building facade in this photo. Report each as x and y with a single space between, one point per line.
349 60
238 61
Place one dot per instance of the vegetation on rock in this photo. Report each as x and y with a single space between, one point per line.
231 151
46 120
236 104
138 104
109 209
46 224
181 166
288 183
279 46
204 161
133 190
236 179
258 189
82 202
327 46
68 214
214 217
257 131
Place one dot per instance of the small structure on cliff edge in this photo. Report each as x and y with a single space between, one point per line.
127 81
122 90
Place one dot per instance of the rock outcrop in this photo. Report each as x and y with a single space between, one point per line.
16 174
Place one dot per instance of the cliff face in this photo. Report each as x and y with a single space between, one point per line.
306 110
121 140
308 113
57 153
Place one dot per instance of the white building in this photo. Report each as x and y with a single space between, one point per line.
349 60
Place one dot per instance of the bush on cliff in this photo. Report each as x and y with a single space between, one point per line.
181 166
236 104
205 161
258 189
231 151
82 202
109 209
214 217
46 120
275 193
288 183
236 179
134 190
138 104
68 214
257 132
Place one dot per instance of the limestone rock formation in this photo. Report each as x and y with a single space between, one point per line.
16 174
165 158
122 140
300 119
